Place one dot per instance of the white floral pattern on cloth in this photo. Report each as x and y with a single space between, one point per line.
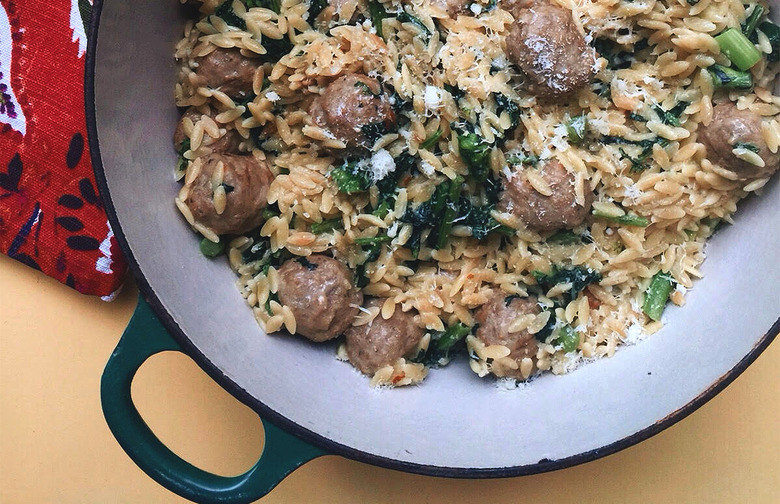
10 111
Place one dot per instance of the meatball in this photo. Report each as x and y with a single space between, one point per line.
319 291
382 342
545 43
245 181
349 103
494 318
227 143
227 70
545 213
451 7
729 127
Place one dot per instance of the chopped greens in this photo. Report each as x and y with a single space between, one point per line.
747 146
576 128
274 5
374 131
479 219
565 237
567 338
726 77
378 13
443 344
315 8
638 163
432 220
657 294
627 219
671 116
431 140
475 152
772 32
351 177
738 48
617 59
578 276
327 225
210 249
228 15
405 17
749 26
183 147
504 104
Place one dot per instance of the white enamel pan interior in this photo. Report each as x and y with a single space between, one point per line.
455 424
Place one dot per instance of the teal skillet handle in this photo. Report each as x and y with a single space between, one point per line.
144 337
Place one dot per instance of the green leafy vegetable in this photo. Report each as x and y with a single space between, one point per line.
521 159
638 163
738 48
567 338
504 104
578 276
443 344
671 116
431 140
617 59
475 152
772 32
726 77
746 145
628 219
228 15
274 5
576 128
450 211
374 131
326 225
351 177
210 249
405 17
183 147
378 13
564 237
749 26
657 294
315 8
480 220
433 219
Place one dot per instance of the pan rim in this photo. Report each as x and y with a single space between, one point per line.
330 446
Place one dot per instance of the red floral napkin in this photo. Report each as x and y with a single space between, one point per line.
51 216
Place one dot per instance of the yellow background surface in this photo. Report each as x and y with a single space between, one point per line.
56 448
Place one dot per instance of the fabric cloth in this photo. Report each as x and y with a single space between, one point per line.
51 216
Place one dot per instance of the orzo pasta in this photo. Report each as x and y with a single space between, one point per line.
525 182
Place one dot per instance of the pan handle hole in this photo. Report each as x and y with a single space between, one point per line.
195 417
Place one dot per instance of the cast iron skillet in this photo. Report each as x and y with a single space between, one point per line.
454 425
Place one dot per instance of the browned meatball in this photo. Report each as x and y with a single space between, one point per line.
319 291
382 342
227 70
545 43
227 143
730 127
545 213
494 318
451 7
349 103
246 183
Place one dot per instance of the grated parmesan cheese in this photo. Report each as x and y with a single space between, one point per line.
272 96
432 97
382 164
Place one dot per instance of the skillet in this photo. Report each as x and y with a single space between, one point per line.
454 425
